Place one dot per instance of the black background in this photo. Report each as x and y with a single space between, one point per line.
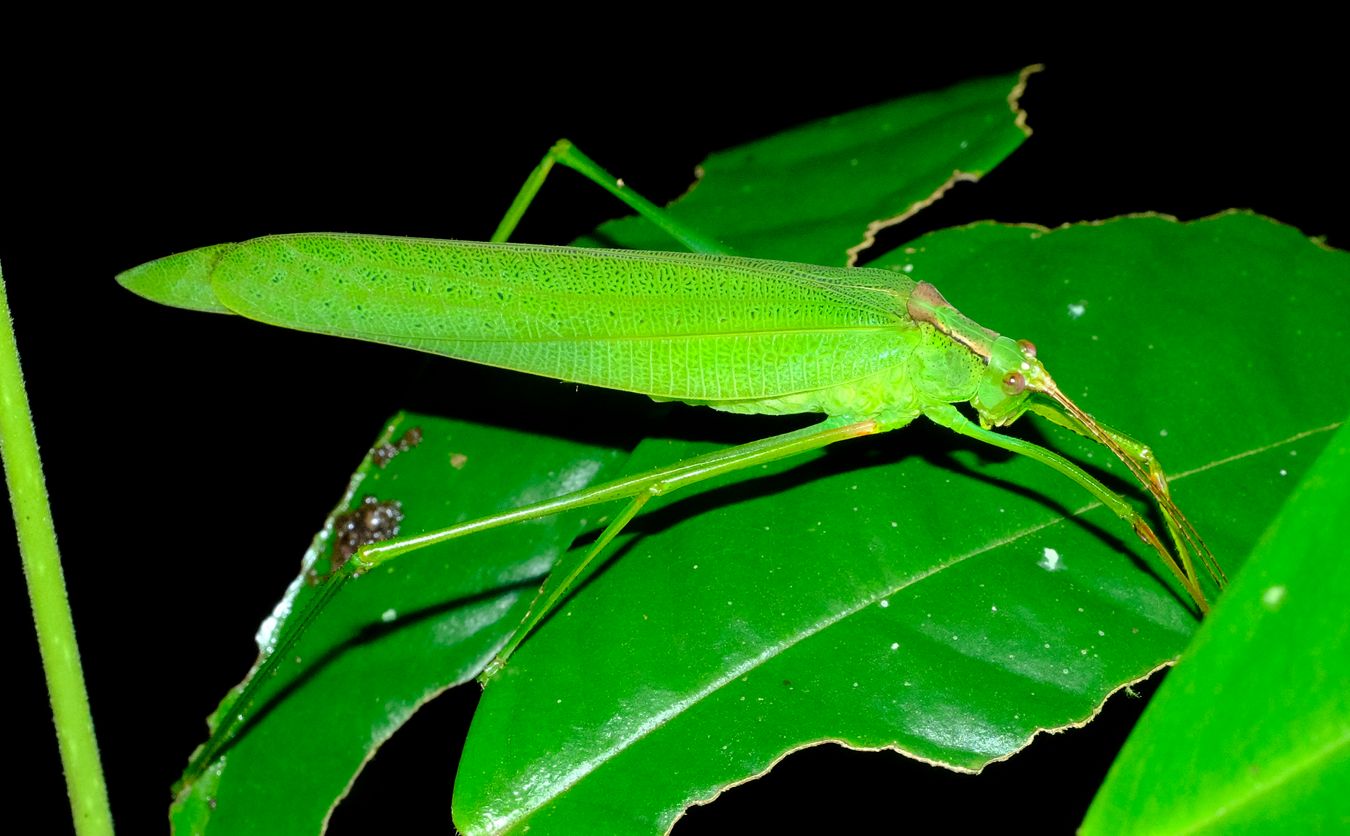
124 152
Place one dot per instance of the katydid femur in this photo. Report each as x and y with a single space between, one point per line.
870 349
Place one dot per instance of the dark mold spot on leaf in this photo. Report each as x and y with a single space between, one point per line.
382 455
370 522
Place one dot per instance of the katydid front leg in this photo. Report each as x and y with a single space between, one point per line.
950 417
1144 465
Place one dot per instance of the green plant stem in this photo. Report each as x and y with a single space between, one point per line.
47 591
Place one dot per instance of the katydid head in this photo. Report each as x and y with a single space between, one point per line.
1013 375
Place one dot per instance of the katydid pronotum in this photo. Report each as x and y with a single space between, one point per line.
870 349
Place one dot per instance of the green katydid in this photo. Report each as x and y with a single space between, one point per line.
870 349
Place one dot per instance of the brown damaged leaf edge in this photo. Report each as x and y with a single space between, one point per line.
875 227
1076 724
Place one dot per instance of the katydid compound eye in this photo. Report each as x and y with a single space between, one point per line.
1028 348
1014 383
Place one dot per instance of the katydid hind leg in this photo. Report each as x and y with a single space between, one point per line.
565 577
637 489
658 481
950 417
566 154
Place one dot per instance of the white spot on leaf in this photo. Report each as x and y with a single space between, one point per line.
1050 560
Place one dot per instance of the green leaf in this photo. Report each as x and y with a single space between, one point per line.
1251 732
900 592
396 637
817 193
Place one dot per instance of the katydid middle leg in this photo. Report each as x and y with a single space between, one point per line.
565 153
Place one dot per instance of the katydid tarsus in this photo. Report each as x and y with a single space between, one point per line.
870 349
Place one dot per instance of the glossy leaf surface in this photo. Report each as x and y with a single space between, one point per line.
1251 732
915 592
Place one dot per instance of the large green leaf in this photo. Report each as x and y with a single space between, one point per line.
817 193
396 637
885 597
1251 733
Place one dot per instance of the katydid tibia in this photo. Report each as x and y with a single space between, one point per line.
870 349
